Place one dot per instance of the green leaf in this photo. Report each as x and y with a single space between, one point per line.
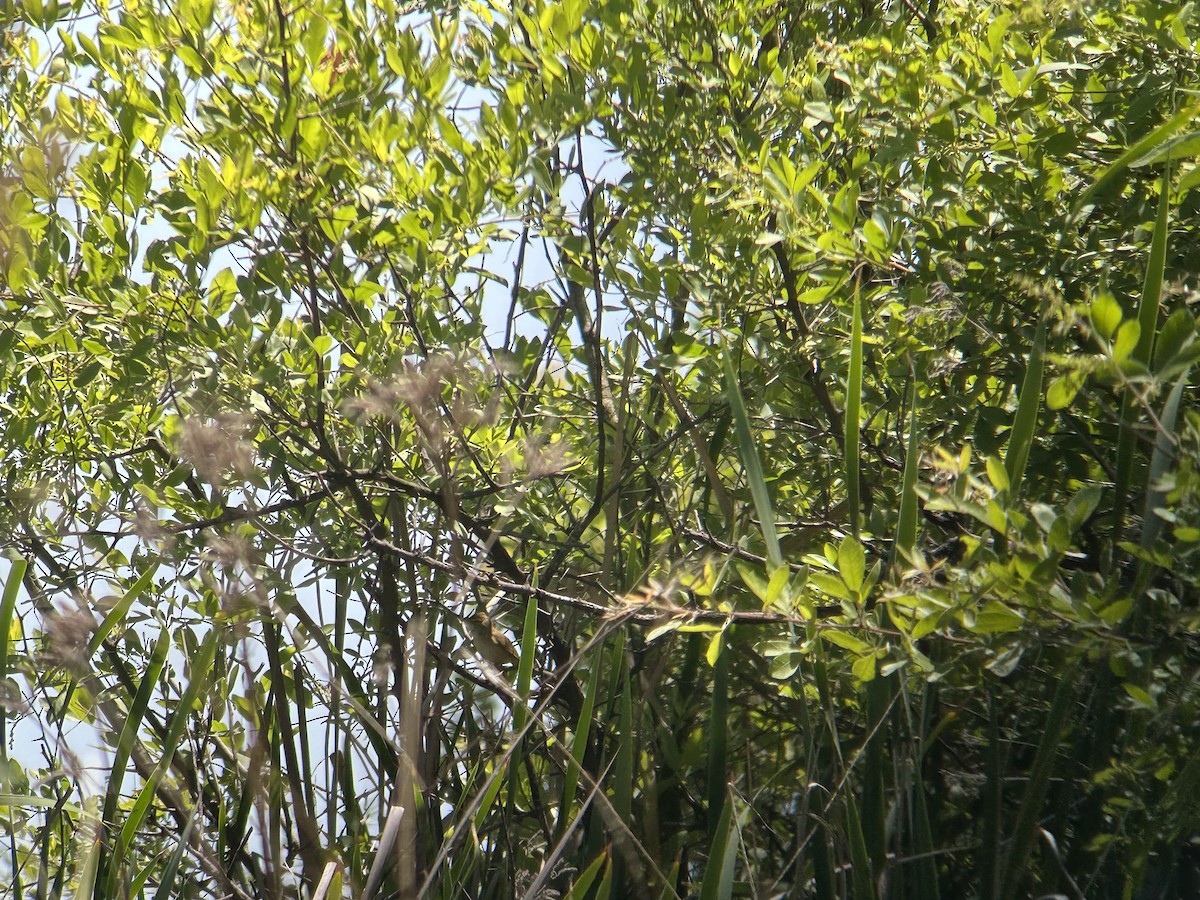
1106 314
779 580
864 667
1064 389
1140 696
997 618
846 640
997 474
852 563
1128 336
835 587
754 581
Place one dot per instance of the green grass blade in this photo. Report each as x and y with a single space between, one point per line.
879 701
525 666
626 756
1025 830
993 793
906 522
583 883
120 609
852 417
1147 317
722 858
1028 406
125 743
1160 462
604 890
1119 166
166 887
717 772
202 670
822 863
491 790
862 876
8 605
569 806
752 463
622 782
1156 267
89 849
926 887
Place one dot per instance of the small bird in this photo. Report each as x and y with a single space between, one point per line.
489 642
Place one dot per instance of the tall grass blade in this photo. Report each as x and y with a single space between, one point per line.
491 790
8 605
750 459
125 743
993 791
822 863
1147 317
166 887
202 672
525 665
851 419
717 883
120 609
604 891
1025 830
879 701
626 757
718 762
927 874
1121 164
569 806
1156 267
1028 405
384 854
89 850
862 873
906 522
1160 462
583 883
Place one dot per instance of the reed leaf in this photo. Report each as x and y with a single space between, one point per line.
202 672
579 741
851 419
718 738
128 737
1147 318
1121 164
525 665
8 604
579 890
166 886
1161 461
1025 830
752 463
906 522
862 873
1028 405
722 857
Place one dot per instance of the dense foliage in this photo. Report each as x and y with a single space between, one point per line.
804 390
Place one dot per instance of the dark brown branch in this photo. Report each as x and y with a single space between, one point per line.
637 611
